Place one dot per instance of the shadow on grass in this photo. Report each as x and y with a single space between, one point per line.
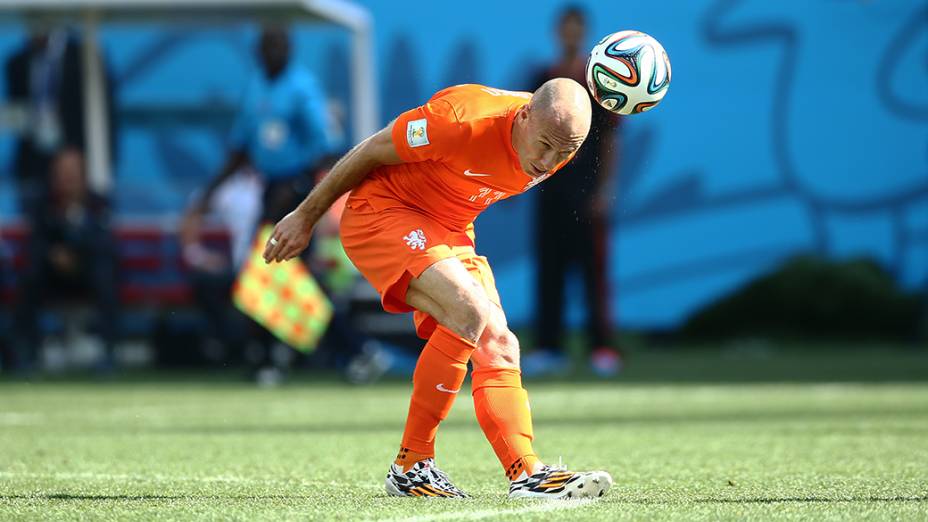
709 417
723 362
145 498
776 500
779 500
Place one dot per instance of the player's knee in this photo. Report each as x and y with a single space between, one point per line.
469 319
497 348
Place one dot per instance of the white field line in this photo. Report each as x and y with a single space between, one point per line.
156 412
534 506
14 418
531 507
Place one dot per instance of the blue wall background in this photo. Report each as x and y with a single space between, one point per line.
791 126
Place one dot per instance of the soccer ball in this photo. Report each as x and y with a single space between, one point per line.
628 72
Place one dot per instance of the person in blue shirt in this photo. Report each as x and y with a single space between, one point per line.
281 130
282 133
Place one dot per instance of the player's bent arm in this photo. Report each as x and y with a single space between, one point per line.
292 234
349 171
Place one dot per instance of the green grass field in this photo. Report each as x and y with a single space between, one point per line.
318 451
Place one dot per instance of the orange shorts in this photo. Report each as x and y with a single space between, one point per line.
391 246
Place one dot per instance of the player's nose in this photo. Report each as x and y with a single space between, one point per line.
549 160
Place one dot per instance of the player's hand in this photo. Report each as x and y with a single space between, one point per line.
290 237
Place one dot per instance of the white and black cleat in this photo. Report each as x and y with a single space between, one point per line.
558 483
423 479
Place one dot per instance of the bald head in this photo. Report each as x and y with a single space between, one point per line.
562 106
552 126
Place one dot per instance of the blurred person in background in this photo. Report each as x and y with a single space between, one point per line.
45 79
923 330
361 358
236 206
282 133
572 219
71 254
281 130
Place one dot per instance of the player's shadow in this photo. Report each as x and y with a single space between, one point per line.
776 500
147 498
710 417
644 501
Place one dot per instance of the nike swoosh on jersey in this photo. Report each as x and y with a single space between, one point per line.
475 174
441 387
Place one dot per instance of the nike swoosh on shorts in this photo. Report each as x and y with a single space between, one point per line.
475 174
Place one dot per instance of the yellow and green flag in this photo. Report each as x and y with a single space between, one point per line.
282 297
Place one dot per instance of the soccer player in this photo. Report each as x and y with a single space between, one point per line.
418 185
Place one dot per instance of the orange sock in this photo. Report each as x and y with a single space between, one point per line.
436 381
505 417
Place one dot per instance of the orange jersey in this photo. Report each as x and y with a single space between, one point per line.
458 156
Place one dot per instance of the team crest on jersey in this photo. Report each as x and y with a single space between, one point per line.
415 239
417 133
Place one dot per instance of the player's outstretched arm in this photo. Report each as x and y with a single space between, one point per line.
292 233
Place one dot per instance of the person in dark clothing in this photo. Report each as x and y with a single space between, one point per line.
572 224
282 134
45 79
71 254
236 205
